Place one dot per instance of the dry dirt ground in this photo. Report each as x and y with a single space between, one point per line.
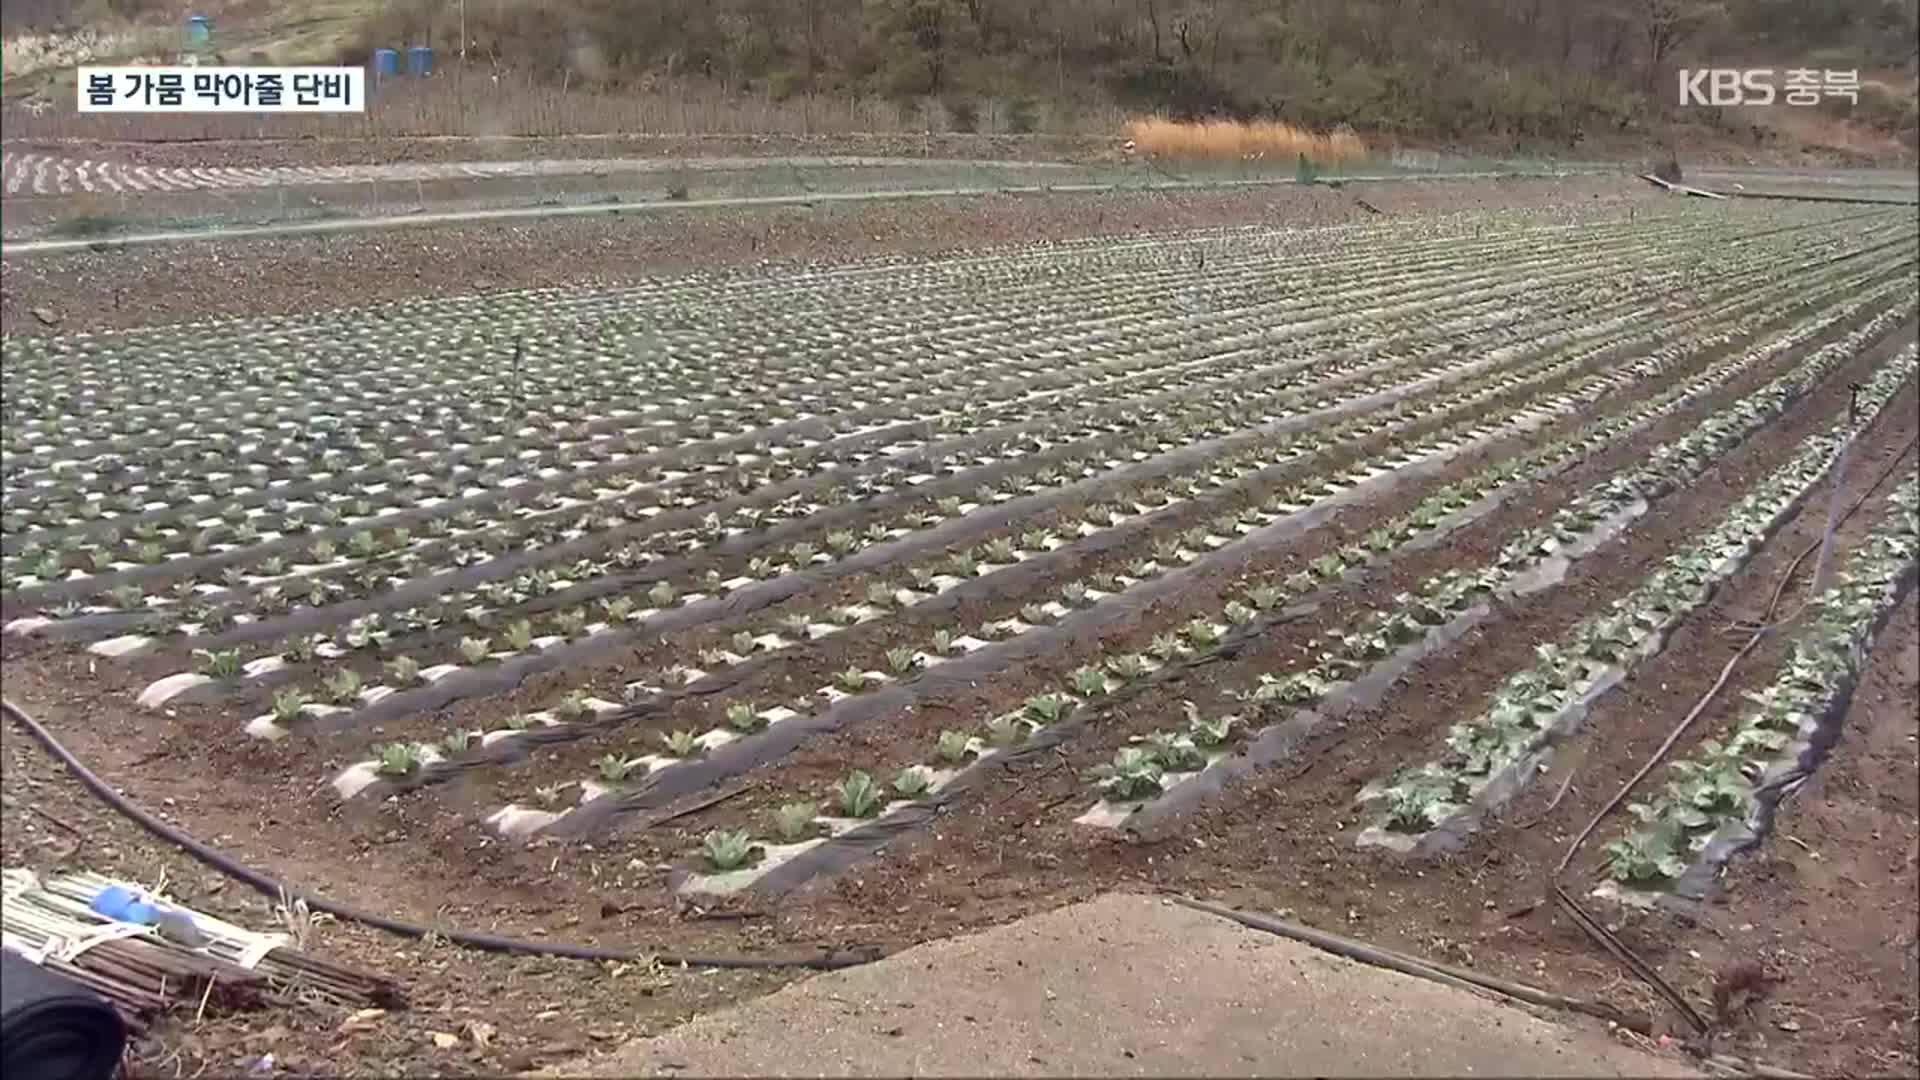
1844 997
1126 985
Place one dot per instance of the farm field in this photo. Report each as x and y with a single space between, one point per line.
1344 570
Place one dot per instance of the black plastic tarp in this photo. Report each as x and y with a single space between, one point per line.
52 1028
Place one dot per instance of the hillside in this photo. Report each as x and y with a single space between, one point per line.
1539 73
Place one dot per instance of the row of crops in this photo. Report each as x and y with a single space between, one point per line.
870 536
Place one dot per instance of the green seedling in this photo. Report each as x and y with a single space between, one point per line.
902 660
912 783
404 670
953 746
399 759
1175 753
741 717
519 635
727 850
680 744
1132 775
220 664
343 686
794 821
475 649
614 768
288 703
857 795
1089 681
456 742
1044 709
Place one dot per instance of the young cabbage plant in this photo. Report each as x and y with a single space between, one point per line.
456 742
1208 734
1200 633
1418 799
794 821
1089 681
220 663
398 759
614 768
1175 753
852 680
1043 709
343 686
475 649
571 622
912 783
404 670
742 717
288 703
902 660
1131 776
953 746
858 796
680 744
727 850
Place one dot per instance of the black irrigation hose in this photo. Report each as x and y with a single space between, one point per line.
1425 969
825 960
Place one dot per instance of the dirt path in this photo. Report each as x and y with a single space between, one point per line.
1125 985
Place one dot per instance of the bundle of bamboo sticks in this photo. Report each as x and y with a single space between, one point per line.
144 973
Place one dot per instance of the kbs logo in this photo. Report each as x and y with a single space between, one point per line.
1756 86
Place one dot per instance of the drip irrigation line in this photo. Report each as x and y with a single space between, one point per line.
1407 965
1767 627
1593 927
825 960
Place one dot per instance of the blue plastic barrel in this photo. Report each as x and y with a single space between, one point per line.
199 30
420 60
386 63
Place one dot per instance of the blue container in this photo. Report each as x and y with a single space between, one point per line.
199 30
420 60
117 902
386 63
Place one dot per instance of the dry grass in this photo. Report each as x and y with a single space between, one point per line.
1223 140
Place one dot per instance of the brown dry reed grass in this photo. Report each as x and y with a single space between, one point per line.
1237 140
